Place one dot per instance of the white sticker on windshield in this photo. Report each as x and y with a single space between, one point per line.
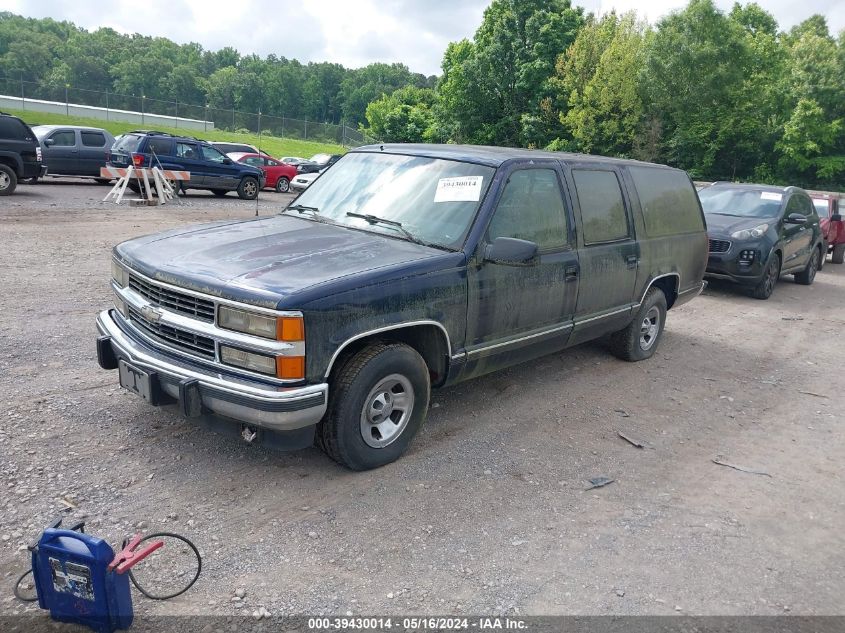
462 189
768 195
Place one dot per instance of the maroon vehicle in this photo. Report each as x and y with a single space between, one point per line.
278 173
829 207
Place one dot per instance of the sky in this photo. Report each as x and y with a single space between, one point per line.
350 32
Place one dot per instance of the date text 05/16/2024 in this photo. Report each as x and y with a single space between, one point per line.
416 623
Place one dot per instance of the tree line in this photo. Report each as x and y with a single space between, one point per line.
61 54
725 96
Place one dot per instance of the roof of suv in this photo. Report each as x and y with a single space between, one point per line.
488 155
756 187
70 127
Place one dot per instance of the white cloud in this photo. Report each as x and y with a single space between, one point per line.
414 32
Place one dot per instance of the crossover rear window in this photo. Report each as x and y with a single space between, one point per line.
668 201
128 143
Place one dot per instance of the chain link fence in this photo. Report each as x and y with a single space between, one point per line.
122 107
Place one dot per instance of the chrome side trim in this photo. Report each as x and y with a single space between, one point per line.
209 297
604 316
551 330
655 279
388 328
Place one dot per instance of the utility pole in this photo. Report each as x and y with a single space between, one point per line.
67 106
143 98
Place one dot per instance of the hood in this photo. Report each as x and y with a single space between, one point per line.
727 224
272 262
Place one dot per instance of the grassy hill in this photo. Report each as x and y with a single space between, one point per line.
272 145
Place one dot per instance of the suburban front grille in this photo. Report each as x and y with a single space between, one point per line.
180 339
202 309
719 246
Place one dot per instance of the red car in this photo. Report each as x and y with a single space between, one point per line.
829 207
278 173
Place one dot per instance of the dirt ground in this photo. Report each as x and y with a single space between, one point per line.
488 512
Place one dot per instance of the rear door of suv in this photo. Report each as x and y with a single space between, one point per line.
607 249
189 158
93 147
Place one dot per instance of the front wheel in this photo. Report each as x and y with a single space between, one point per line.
248 189
640 339
807 276
282 185
378 401
764 288
838 255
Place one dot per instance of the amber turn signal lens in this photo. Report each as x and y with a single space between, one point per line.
290 329
290 367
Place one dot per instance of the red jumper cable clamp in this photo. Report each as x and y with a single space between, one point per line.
128 557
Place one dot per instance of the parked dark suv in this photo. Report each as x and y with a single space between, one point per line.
20 154
317 163
209 168
333 320
759 232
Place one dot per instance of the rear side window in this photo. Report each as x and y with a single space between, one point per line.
93 139
160 146
63 138
668 200
11 128
531 208
602 207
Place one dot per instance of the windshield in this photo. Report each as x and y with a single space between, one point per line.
434 200
821 207
742 203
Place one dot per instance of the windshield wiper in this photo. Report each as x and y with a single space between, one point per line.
374 219
314 211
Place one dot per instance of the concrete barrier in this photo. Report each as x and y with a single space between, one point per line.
90 112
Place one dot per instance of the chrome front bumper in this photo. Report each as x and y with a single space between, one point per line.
273 407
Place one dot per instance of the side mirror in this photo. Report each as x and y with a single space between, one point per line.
227 161
49 142
511 252
795 218
836 217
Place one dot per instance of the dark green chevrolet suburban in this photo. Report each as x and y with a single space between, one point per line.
402 268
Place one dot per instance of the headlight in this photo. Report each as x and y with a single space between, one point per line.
747 234
276 328
248 360
119 274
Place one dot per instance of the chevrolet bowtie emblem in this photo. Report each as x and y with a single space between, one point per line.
151 314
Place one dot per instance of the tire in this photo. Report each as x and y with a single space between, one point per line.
763 290
248 189
640 338
354 432
838 254
8 180
807 276
219 192
282 185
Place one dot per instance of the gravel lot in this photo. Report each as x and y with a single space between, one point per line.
489 511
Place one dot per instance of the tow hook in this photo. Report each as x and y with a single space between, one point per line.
248 433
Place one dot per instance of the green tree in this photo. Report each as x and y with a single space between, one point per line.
405 116
490 84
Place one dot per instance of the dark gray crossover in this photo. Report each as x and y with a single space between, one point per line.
759 232
402 268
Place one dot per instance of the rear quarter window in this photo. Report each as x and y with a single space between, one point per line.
128 143
668 201
11 128
93 139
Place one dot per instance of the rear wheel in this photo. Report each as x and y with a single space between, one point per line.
8 180
282 185
378 401
248 189
765 287
640 339
808 275
838 254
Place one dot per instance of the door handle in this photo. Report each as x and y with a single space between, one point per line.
632 261
570 273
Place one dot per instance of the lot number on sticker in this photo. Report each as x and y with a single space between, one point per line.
768 195
462 189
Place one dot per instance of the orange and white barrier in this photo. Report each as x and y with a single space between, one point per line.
150 180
